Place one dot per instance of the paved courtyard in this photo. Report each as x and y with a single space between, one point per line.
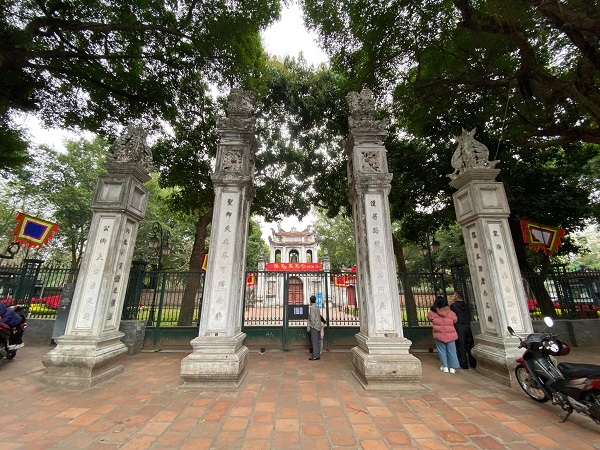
285 402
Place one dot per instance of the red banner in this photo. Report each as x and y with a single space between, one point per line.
250 279
344 279
295 267
542 237
33 231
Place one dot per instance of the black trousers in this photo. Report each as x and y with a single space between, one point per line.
464 344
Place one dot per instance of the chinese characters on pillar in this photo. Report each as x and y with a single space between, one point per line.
379 276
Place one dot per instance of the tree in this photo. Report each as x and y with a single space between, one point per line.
492 65
255 244
97 64
526 69
59 187
284 167
336 235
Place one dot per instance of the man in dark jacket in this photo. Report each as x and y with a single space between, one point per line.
9 317
465 341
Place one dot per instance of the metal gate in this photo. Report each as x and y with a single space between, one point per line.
276 309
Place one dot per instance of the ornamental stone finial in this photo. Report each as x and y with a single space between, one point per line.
131 146
362 112
470 154
240 105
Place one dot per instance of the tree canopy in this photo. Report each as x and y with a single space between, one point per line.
97 64
526 69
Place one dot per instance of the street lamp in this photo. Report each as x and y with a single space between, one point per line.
159 241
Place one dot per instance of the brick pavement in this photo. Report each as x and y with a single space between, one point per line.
286 402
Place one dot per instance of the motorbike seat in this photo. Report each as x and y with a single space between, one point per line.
5 327
579 370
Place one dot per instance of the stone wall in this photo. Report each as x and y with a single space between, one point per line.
39 332
577 333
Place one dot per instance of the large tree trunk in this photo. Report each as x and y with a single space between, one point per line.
188 303
409 299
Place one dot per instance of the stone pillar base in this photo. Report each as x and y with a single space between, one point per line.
82 362
496 358
216 362
385 364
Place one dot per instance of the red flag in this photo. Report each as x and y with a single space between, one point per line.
544 237
33 231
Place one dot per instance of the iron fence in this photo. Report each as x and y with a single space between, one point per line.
167 299
563 294
175 298
38 288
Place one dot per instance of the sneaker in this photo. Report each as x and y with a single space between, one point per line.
452 370
445 369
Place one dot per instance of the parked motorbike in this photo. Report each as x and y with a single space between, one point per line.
574 387
11 339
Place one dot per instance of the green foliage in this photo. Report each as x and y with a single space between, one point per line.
336 235
526 70
525 77
301 122
98 63
59 187
254 245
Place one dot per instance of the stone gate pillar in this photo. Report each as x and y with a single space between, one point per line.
382 359
219 358
482 211
89 350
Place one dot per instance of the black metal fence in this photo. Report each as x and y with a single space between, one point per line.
563 294
175 298
160 298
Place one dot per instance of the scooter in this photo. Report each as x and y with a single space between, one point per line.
574 387
11 339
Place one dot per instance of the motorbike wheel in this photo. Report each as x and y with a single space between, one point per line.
529 385
11 354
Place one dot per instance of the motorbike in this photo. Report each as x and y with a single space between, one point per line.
11 339
573 387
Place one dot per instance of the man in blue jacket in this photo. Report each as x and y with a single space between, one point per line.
9 317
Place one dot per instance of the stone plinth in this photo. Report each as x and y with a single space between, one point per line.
385 364
79 362
216 363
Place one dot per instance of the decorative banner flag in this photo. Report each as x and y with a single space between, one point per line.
250 279
544 237
33 231
204 259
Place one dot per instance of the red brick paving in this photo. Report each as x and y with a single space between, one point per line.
285 402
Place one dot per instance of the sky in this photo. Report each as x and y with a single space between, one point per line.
286 37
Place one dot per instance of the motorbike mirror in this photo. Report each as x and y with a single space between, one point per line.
510 330
548 321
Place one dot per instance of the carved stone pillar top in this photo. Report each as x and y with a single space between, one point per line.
363 124
471 154
240 105
130 147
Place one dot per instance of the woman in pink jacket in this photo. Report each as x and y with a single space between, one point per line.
444 333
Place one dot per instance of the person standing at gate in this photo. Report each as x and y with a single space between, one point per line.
444 333
465 341
314 327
